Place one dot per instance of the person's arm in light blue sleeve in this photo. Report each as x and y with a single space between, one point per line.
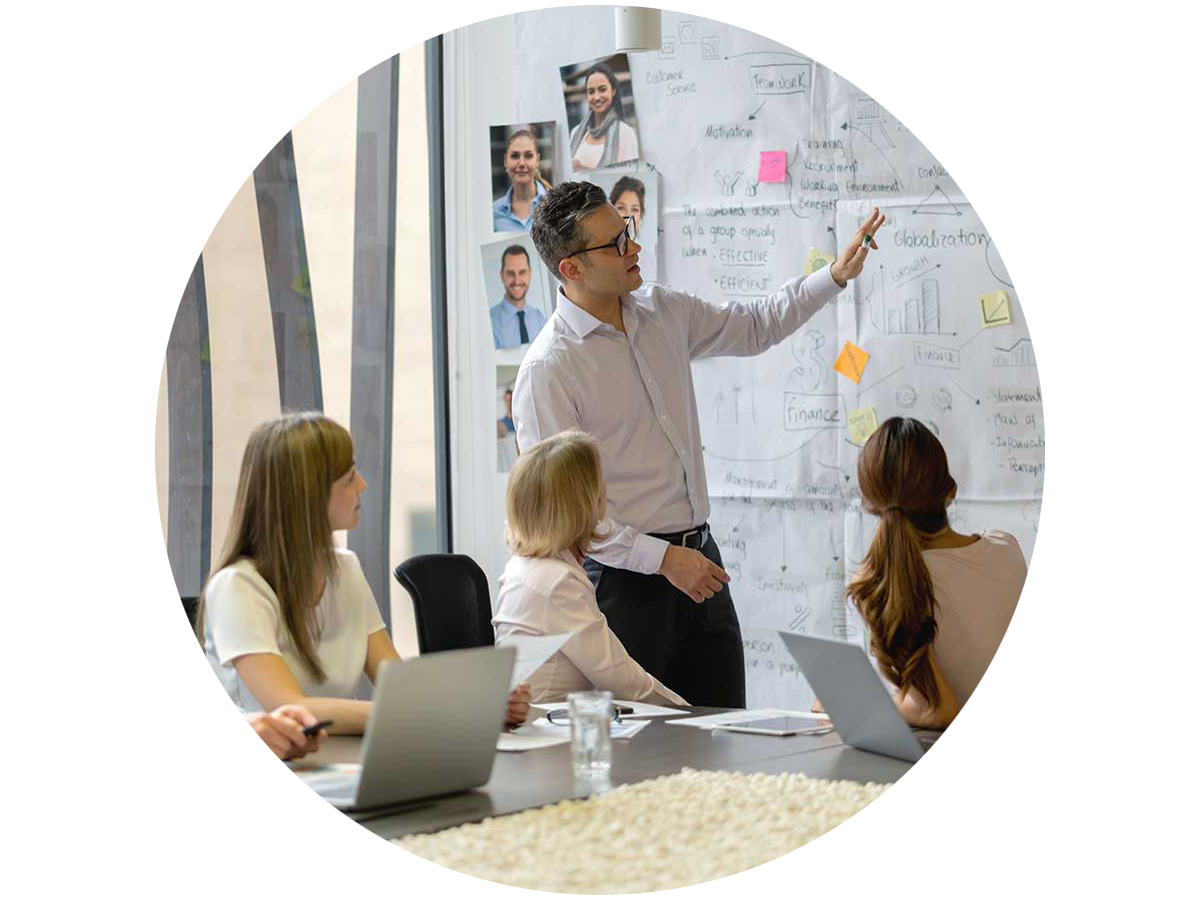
183 745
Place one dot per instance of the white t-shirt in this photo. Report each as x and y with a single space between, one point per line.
242 615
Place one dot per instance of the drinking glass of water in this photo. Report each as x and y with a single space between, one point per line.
591 743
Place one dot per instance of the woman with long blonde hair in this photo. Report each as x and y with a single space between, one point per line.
287 617
936 602
555 501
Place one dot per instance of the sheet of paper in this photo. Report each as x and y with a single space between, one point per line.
994 309
640 710
851 361
861 423
178 816
1008 742
817 260
532 652
332 780
742 715
627 728
281 772
535 733
936 109
772 167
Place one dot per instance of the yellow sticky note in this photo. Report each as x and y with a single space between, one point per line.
861 423
817 260
936 109
995 309
851 362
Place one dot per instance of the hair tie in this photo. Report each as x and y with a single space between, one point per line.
897 508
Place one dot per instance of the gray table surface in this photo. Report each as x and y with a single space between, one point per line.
538 777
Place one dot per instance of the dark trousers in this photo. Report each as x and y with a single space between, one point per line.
695 649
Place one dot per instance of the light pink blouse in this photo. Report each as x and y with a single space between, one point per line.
976 588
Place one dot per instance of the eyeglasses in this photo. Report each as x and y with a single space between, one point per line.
621 242
563 716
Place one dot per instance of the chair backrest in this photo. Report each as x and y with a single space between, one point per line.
174 627
451 603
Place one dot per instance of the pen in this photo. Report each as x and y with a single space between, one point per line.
313 729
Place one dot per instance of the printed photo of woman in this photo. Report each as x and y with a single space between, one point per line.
600 113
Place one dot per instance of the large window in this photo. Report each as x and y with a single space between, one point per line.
314 292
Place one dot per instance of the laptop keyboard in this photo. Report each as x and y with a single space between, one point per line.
946 751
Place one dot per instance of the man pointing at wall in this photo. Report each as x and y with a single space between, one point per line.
614 361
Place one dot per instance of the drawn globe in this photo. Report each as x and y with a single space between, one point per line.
909 52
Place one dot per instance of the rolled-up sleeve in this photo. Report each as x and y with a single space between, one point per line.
543 406
749 328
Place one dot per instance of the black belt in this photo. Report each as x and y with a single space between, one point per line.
695 538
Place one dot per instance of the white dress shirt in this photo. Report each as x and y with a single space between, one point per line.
633 393
553 595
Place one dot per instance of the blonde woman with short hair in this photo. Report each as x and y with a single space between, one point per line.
554 503
287 617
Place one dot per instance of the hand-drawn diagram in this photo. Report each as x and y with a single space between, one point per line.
869 116
710 48
687 31
666 50
813 368
1019 355
751 188
906 396
910 307
727 180
943 399
934 204
729 407
909 52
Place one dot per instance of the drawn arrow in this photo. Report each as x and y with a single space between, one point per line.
782 542
971 338
768 53
918 275
831 466
755 113
846 126
961 388
879 382
987 258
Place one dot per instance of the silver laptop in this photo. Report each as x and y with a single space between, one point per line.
432 730
849 688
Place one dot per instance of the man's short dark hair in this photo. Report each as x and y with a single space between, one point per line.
555 229
513 250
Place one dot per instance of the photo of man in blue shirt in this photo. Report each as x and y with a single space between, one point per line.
514 322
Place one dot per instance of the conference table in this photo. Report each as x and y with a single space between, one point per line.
532 778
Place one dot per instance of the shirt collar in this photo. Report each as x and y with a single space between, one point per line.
504 204
508 311
584 323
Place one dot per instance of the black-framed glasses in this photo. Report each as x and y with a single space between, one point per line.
621 242
563 716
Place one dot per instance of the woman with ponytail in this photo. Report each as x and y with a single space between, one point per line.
936 603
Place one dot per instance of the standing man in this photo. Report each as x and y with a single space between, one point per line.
615 362
514 322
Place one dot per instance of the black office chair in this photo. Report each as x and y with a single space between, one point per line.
174 627
451 602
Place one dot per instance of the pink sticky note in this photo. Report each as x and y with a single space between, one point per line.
772 167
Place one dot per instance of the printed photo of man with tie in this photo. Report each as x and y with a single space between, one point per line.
516 322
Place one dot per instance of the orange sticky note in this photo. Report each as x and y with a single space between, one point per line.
936 109
851 362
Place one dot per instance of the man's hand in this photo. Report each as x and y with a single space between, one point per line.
283 731
518 705
692 572
1033 741
855 255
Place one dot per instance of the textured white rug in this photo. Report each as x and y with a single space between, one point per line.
703 832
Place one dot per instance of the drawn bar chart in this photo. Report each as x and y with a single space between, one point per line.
920 315
1026 352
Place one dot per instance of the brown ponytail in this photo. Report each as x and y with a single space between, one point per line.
905 480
